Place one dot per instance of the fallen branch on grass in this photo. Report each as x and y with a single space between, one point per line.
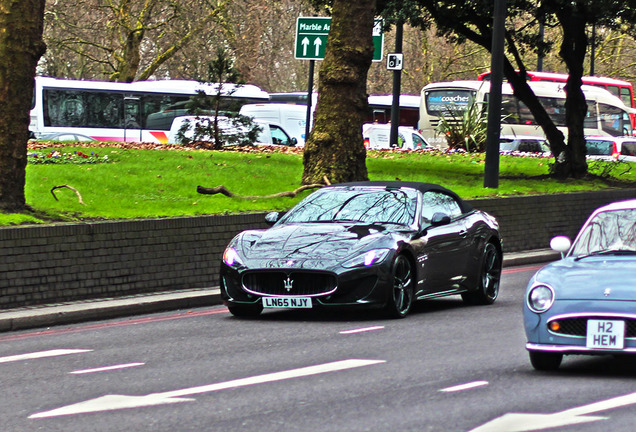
79 196
223 190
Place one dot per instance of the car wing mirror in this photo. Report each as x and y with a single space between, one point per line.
272 217
561 244
439 219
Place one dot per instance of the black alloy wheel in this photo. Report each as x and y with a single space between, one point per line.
489 278
403 291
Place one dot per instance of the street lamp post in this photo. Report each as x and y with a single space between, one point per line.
491 169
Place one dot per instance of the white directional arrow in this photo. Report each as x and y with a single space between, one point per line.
305 43
517 422
115 402
317 43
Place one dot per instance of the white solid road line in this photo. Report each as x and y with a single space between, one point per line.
360 330
116 402
42 354
107 368
466 386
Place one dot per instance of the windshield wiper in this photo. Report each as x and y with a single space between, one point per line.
608 252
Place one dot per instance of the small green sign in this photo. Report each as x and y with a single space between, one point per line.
311 38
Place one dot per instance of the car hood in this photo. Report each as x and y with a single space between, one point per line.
315 245
592 278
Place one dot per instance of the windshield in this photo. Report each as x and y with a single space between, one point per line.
609 231
439 102
356 204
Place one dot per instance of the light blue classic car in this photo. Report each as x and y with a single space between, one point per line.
585 303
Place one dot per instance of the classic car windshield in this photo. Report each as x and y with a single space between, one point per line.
610 231
353 204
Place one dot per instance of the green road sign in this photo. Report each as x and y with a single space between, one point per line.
311 38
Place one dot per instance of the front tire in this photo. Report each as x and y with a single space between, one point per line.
489 277
543 361
402 292
245 311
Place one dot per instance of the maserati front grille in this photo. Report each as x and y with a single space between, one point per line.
294 283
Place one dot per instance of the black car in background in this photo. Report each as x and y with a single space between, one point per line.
379 244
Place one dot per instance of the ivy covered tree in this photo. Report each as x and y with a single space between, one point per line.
21 47
334 149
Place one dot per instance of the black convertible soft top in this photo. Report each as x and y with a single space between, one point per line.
422 187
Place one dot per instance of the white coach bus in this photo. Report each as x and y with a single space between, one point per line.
606 113
110 111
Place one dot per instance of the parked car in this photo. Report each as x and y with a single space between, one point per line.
584 303
381 244
65 136
271 133
523 144
377 136
611 148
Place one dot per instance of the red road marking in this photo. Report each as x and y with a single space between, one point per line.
144 320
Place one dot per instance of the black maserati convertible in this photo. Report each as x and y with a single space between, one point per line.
378 244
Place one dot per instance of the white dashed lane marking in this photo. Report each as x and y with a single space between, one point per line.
42 354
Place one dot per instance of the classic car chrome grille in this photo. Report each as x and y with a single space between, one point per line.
577 326
295 283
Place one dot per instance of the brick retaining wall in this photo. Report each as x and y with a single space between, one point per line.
67 262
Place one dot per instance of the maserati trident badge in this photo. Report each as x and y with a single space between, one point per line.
287 284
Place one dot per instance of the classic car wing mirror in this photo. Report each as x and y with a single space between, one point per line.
272 217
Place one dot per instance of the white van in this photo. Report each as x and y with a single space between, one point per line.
271 133
293 118
377 136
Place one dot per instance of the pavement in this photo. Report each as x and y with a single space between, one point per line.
43 316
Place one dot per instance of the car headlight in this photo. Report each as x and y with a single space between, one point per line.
232 258
540 298
367 259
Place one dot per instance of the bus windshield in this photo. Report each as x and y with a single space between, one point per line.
439 102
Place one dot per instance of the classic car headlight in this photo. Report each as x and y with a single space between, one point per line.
540 298
231 257
367 259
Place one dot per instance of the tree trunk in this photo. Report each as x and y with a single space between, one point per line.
573 50
335 149
21 46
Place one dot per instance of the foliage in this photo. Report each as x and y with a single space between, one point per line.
125 40
464 128
472 20
163 183
76 157
210 124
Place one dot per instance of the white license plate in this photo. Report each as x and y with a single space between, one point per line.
287 302
605 334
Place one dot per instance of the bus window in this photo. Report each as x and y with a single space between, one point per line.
591 116
614 121
626 97
613 90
